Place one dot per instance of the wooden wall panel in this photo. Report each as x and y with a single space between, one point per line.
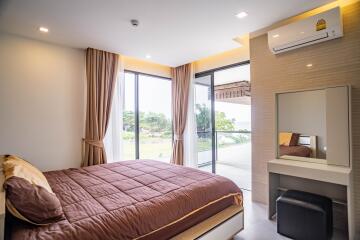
336 62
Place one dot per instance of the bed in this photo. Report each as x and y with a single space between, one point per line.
299 151
139 199
306 146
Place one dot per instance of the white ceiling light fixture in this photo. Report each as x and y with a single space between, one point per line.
241 15
276 36
43 29
148 56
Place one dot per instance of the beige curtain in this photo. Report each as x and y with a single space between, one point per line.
101 70
181 77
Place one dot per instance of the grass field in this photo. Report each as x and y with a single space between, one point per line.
155 148
161 147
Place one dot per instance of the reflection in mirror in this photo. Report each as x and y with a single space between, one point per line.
302 124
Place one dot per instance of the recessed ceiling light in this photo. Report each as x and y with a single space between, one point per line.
276 36
43 29
148 56
309 65
241 15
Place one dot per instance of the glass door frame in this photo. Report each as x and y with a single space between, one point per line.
211 73
212 114
136 108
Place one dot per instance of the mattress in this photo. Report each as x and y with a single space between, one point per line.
299 151
138 199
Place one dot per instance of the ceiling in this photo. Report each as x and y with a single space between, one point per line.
237 100
230 75
173 32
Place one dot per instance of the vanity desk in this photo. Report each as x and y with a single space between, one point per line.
327 169
330 181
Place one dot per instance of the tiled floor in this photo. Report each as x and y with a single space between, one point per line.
236 167
240 176
257 226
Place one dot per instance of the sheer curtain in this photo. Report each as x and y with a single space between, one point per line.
190 134
113 138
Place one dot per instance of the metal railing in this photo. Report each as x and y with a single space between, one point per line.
228 140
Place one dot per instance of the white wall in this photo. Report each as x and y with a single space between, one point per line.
42 102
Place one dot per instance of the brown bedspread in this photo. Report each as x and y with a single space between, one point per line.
299 151
142 199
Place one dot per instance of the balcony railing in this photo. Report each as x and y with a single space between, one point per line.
223 139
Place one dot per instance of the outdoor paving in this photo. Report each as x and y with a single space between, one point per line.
234 162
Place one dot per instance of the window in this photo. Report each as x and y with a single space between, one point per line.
129 117
147 117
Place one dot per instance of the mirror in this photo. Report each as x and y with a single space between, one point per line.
301 124
313 125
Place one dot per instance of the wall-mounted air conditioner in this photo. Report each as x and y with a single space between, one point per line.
315 29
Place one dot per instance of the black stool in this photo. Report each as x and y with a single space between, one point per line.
302 215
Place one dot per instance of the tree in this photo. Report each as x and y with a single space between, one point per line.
155 122
223 123
129 121
203 119
150 122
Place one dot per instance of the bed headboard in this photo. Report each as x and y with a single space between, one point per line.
310 142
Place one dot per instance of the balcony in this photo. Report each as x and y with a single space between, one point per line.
232 154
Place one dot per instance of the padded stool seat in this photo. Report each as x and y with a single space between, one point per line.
302 215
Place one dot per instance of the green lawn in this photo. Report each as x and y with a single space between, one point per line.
153 148
161 147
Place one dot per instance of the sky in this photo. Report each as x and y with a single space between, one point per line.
155 94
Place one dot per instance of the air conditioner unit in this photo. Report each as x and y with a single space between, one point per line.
315 29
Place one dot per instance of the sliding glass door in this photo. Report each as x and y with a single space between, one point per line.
204 105
147 128
155 130
232 89
129 127
223 118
